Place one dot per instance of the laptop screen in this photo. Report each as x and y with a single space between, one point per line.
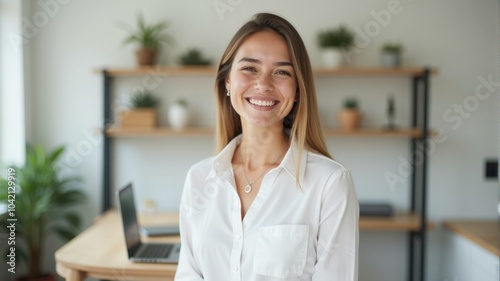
129 218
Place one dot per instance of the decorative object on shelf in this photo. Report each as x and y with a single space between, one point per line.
391 54
150 206
391 113
142 113
193 57
44 205
150 39
350 116
333 43
179 115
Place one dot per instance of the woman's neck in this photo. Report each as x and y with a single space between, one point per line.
261 146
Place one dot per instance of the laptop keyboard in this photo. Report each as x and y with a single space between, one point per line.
155 251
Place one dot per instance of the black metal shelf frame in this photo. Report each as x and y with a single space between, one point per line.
418 199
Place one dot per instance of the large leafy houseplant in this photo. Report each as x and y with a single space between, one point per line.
149 38
43 204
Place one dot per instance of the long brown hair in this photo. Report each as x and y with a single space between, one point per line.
303 120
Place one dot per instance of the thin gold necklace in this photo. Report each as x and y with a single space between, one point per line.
248 187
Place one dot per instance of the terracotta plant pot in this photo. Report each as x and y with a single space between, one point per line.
349 119
146 57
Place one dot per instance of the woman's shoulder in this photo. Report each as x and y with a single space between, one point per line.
204 165
332 173
321 161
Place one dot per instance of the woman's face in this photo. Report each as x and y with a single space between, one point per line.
262 80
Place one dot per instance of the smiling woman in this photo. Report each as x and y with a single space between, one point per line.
280 208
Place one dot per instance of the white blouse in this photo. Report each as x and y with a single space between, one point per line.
288 233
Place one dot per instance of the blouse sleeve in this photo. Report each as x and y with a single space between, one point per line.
187 268
337 251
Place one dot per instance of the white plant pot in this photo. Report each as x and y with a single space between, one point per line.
178 116
390 59
332 57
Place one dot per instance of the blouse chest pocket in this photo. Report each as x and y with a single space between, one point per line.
281 251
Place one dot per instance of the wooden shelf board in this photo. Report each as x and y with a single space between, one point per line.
411 133
158 131
160 70
373 71
398 222
208 70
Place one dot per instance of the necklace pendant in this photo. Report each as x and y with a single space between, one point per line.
248 188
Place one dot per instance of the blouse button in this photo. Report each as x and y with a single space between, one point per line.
235 268
238 236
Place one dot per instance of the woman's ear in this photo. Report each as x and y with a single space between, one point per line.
228 84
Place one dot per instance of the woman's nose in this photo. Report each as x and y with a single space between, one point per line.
264 84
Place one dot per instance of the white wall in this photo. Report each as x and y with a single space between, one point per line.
457 37
12 133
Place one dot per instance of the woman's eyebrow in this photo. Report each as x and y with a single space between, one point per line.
279 63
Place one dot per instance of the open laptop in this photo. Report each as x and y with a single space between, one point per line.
138 251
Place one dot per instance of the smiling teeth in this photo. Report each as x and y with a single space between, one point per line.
261 102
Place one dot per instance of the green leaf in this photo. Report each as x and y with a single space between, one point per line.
4 188
69 198
55 154
73 219
65 233
42 205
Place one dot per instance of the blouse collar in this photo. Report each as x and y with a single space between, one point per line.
222 161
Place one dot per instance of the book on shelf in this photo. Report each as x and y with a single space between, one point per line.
375 209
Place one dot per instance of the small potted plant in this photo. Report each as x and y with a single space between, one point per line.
43 203
391 54
350 116
193 57
142 112
332 43
149 38
178 114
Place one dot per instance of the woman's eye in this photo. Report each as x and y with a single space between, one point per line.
283 72
248 68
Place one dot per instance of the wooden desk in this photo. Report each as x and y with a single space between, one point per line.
100 252
486 234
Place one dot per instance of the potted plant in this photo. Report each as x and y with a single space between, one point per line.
391 54
142 112
43 203
178 114
350 116
150 39
332 43
193 57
